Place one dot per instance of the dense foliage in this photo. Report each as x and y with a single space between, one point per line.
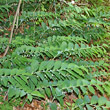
55 52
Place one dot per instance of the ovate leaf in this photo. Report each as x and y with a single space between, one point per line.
57 65
78 71
102 101
89 107
63 45
94 100
11 92
86 99
43 65
91 89
79 102
29 97
108 103
50 64
37 93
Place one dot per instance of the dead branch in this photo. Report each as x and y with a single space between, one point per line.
12 29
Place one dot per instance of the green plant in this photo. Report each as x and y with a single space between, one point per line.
55 55
5 105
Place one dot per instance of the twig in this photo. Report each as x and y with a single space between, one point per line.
17 21
5 96
12 29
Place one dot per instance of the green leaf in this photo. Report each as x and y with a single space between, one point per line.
76 90
53 106
100 89
34 79
105 45
77 46
91 89
63 45
98 108
61 100
31 84
52 90
24 78
94 100
5 80
79 102
85 69
78 71
102 101
58 92
29 97
34 66
71 65
86 99
70 45
50 64
108 104
11 92
84 90
57 65
43 25
78 9
81 107
37 93
22 93
18 91
64 66
43 65
48 92
89 107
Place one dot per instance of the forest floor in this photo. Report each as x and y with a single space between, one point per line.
43 105
68 100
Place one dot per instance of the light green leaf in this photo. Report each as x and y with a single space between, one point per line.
70 45
78 71
84 90
79 102
11 92
57 65
50 64
89 107
76 90
37 93
94 100
108 104
48 92
22 93
86 99
29 97
34 66
43 65
63 45
34 79
91 89
102 101
100 89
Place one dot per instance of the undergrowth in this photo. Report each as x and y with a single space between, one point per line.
56 50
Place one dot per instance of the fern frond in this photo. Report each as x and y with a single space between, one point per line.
92 103
57 40
14 62
36 15
65 50
63 76
97 65
3 44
